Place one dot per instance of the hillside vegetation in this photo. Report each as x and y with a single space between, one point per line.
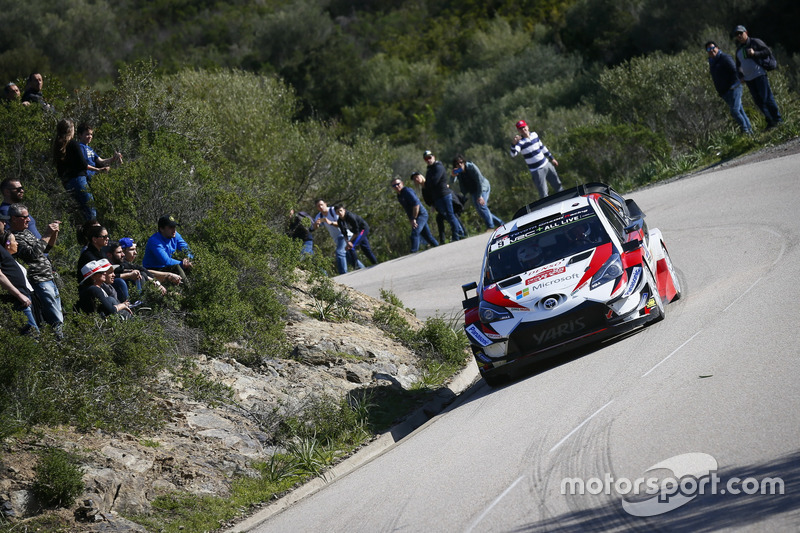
229 114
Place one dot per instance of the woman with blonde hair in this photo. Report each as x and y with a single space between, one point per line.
71 166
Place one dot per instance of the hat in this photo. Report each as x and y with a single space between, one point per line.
426 153
738 29
126 242
93 267
521 124
167 220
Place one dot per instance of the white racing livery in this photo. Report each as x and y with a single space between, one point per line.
575 267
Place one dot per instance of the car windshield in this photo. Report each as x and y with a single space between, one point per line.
542 242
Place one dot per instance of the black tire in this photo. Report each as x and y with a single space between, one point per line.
495 380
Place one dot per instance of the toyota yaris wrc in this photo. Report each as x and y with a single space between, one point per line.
572 268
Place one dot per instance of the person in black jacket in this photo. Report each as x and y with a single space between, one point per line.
750 54
726 81
91 296
356 230
437 184
13 280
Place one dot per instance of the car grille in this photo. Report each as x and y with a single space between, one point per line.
533 337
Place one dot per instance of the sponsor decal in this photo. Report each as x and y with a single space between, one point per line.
651 303
556 332
547 283
546 274
542 227
522 294
482 357
635 275
477 335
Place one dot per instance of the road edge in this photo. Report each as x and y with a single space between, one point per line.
445 396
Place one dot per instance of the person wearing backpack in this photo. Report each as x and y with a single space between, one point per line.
753 59
726 81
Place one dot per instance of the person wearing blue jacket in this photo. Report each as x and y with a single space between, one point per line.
162 245
723 72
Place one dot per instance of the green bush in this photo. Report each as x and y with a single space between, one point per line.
608 153
59 479
103 374
671 95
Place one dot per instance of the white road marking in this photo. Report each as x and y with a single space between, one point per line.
741 295
495 502
673 352
580 426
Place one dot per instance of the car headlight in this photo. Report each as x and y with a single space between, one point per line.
611 270
492 313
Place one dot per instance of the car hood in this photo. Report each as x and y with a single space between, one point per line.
551 289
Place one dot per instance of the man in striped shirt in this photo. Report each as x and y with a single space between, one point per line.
540 161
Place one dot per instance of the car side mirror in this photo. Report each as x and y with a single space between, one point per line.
636 226
467 302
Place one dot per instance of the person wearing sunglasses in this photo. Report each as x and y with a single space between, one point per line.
14 193
726 81
416 213
33 252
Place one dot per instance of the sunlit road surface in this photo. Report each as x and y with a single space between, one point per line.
710 395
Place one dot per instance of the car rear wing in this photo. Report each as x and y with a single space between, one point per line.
575 192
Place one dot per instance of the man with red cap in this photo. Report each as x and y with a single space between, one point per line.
540 161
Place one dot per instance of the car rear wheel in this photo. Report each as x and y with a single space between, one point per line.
494 380
673 274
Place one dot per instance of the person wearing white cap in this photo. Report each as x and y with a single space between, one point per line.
92 298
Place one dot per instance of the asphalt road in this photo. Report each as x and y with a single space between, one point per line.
712 391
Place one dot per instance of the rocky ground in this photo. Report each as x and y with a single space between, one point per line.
202 447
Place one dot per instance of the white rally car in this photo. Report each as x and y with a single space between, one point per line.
575 267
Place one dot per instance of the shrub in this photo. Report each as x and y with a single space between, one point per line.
59 480
671 95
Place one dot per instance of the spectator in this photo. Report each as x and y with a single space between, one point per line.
4 223
427 196
416 213
436 181
130 252
40 271
726 81
13 193
72 167
97 238
33 91
91 296
478 188
327 215
299 228
11 93
540 161
356 230
14 280
112 252
748 55
85 135
162 245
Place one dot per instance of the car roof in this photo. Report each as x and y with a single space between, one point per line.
558 198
